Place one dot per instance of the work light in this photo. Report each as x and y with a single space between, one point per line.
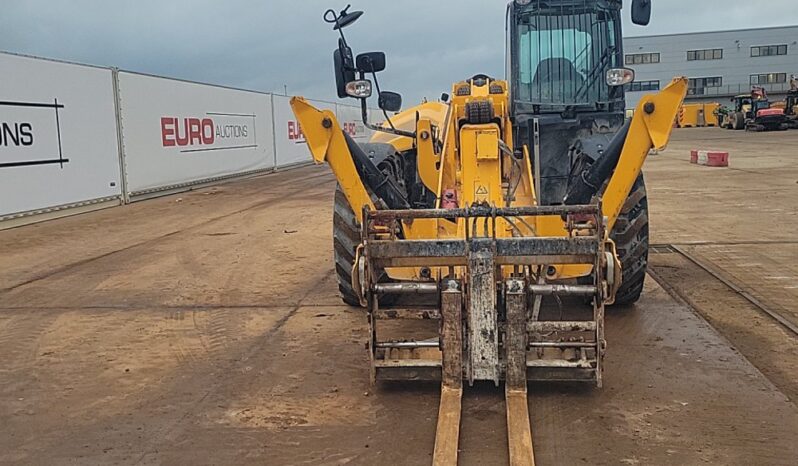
360 89
620 76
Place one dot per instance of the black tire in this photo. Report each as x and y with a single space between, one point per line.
346 237
631 236
739 121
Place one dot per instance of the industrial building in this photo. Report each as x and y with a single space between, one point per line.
720 64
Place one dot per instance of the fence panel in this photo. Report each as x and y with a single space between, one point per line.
351 119
58 136
177 134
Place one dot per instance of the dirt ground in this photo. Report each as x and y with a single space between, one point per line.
205 328
739 222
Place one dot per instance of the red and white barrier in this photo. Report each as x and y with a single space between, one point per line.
709 158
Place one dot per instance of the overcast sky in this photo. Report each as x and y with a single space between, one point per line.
264 44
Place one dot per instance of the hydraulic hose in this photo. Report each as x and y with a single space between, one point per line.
588 183
383 186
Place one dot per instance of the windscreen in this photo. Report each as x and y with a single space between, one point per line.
563 55
762 105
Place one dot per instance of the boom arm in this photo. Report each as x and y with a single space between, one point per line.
651 127
327 143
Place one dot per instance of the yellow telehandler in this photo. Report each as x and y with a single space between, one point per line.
508 214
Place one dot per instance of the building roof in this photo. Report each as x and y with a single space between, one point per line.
713 32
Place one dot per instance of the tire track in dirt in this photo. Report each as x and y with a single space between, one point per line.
183 391
168 433
764 342
183 337
20 339
289 195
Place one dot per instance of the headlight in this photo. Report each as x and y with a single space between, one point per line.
359 89
620 76
523 2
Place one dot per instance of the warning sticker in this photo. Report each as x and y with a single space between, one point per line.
481 192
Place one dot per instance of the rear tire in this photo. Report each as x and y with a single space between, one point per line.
346 238
631 237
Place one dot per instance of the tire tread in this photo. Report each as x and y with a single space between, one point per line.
631 236
346 237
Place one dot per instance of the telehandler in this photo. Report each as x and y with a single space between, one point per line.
512 211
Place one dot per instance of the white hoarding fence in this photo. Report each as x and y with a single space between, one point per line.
290 145
58 138
178 133
82 136
351 120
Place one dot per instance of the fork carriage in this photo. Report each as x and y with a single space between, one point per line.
488 292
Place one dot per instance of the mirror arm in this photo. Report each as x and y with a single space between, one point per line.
365 114
398 132
343 37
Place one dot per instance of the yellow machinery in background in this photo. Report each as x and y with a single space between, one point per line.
711 114
790 104
698 115
507 215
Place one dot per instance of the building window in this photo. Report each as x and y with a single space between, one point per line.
708 54
768 50
642 86
642 58
698 85
770 78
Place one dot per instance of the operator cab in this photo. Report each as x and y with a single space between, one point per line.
566 56
564 62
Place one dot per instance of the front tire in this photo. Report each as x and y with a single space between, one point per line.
631 237
346 238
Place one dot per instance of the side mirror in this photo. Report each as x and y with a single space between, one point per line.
390 101
641 12
372 62
344 69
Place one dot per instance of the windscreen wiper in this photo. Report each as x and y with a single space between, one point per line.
593 71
